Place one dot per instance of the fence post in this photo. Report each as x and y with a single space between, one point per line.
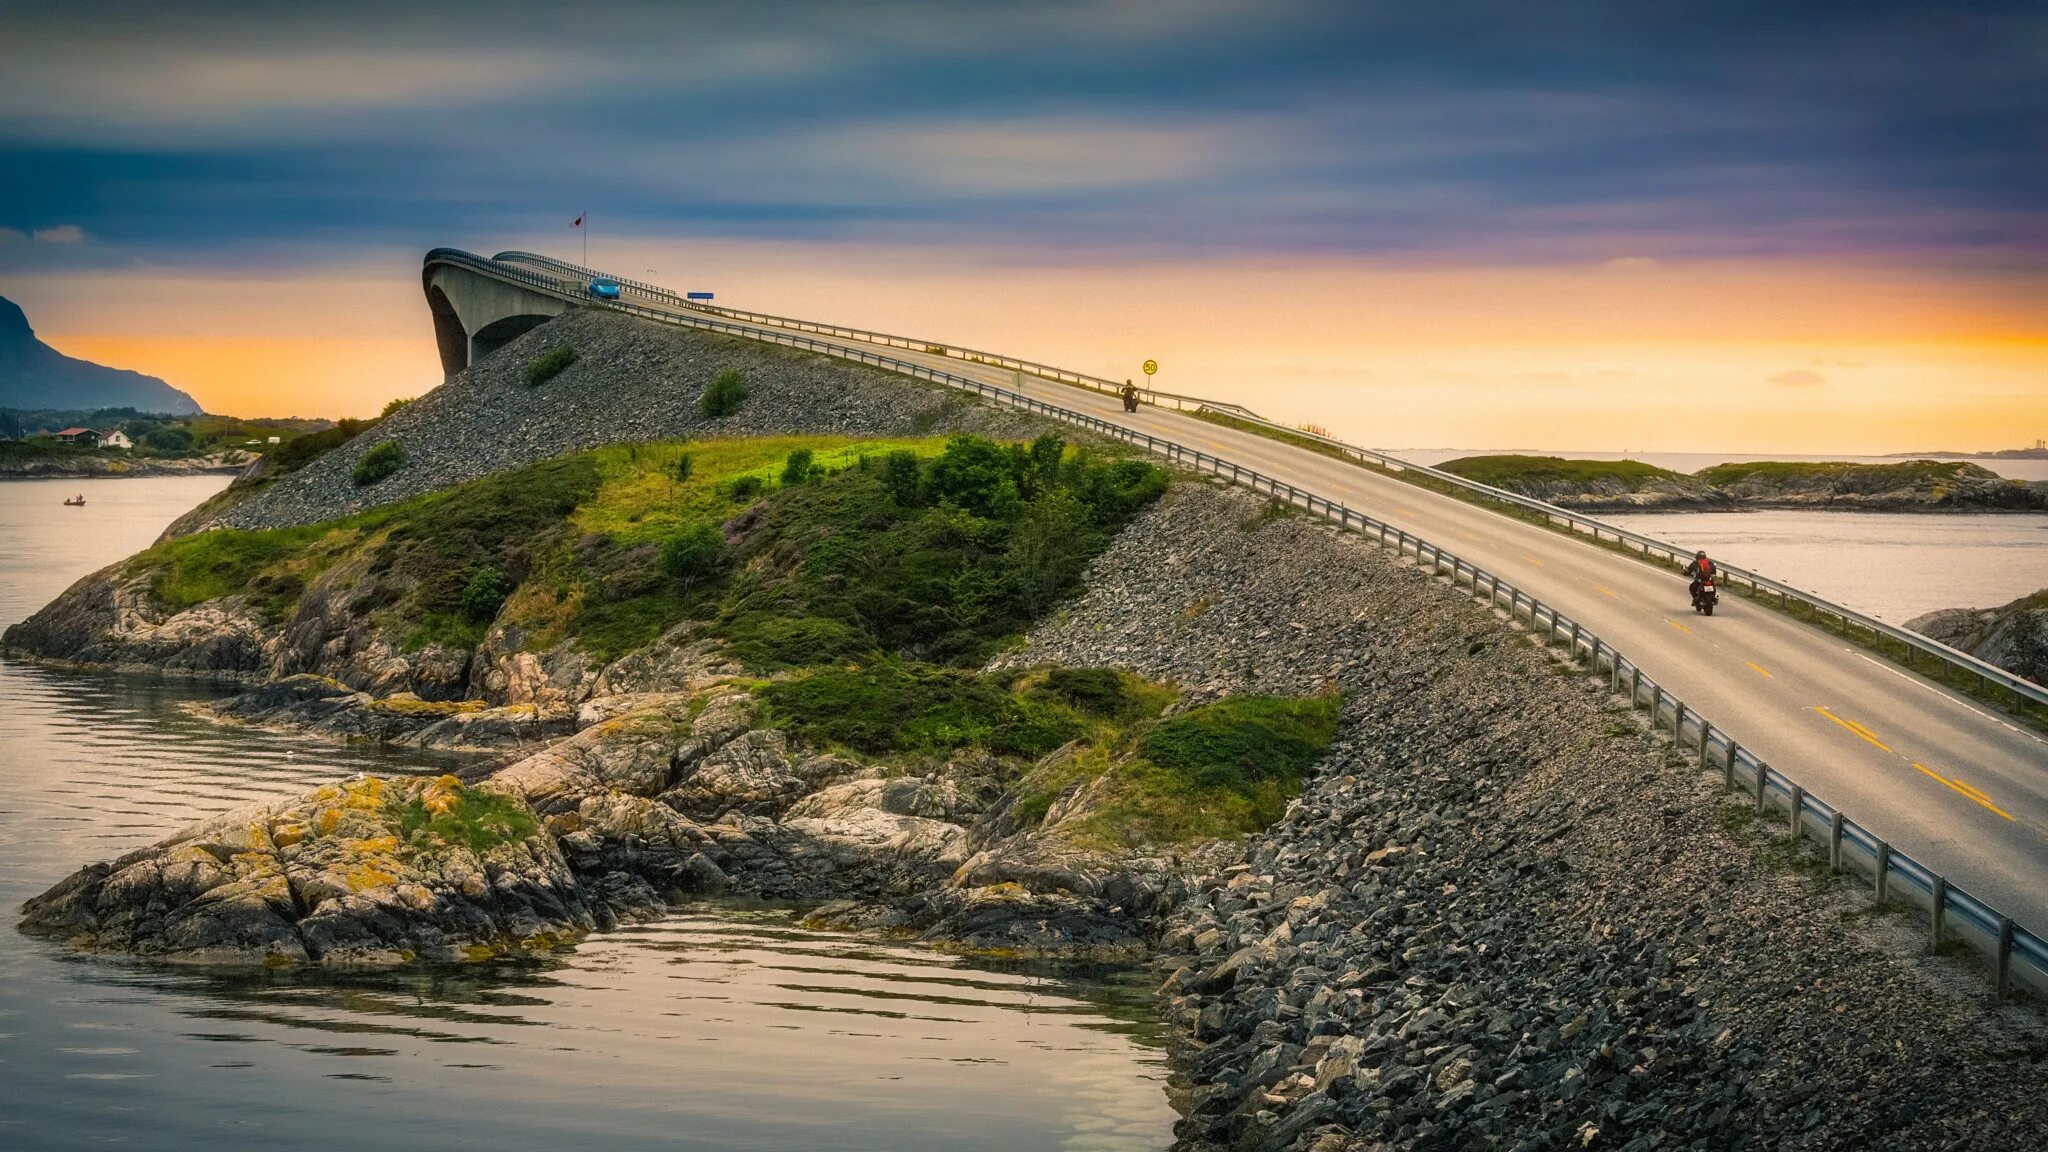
1728 768
2004 954
1635 685
1572 648
1938 917
1884 867
1835 844
1798 798
1705 730
1763 778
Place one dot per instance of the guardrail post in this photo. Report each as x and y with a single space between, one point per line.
1835 844
2004 954
1763 779
1882 881
1728 768
1798 798
1705 730
1677 720
1572 646
1937 919
1635 685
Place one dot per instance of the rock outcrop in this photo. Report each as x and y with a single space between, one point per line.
2013 636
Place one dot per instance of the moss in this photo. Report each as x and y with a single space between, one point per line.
896 709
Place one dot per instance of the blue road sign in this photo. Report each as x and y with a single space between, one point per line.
696 295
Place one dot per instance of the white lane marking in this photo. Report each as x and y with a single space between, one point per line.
1940 695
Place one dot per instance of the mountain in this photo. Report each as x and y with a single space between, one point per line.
35 375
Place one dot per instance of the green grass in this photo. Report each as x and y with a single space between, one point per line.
479 821
1515 472
548 365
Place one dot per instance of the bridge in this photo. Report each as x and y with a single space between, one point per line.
1938 796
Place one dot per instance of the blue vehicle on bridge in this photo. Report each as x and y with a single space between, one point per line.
605 288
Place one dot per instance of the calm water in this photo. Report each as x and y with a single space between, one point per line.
1893 566
716 1028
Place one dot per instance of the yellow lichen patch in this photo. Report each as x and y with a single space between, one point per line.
326 822
477 953
364 794
407 704
286 835
363 877
442 795
374 844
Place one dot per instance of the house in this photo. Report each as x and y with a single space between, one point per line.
274 440
115 438
84 437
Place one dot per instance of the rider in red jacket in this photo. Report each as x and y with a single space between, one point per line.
1701 569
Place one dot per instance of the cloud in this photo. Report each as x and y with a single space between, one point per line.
1797 378
1630 264
9 235
60 234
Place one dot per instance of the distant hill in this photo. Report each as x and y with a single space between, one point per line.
35 375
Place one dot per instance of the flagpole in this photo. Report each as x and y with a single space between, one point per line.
586 236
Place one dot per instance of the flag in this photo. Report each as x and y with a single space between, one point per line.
577 223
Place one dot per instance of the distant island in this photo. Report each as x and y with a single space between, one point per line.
105 442
1631 485
34 375
2037 452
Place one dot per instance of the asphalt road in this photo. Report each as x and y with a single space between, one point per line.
1941 777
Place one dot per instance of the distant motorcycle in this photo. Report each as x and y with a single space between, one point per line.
1130 400
1704 598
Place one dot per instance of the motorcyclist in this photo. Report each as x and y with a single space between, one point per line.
1700 570
1130 395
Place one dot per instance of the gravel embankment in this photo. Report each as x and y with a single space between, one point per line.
632 380
1500 917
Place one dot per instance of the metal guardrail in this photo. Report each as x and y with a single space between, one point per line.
667 296
2017 955
2017 687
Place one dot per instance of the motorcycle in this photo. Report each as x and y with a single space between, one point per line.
1704 598
1130 401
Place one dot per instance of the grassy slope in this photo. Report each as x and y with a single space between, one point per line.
1508 471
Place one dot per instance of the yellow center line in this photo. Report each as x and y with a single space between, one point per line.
1404 508
1858 730
1532 560
1605 591
1964 790
1468 535
1759 669
1680 627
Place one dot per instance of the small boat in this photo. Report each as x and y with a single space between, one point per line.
75 502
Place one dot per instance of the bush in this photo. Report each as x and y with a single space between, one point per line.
694 555
685 464
1240 741
745 487
394 406
485 594
797 469
378 463
722 398
167 440
903 474
548 365
897 708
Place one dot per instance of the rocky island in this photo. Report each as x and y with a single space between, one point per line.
728 619
1631 485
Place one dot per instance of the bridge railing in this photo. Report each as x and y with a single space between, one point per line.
2016 955
667 296
2019 691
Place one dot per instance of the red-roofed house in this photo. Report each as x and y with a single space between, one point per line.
84 436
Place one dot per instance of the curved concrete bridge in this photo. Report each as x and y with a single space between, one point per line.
480 306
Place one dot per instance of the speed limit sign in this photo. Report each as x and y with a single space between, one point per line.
1151 366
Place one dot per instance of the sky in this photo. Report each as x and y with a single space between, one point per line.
1777 227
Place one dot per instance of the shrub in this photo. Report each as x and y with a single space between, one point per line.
797 469
378 463
902 473
394 406
896 708
1240 741
745 487
548 365
685 464
694 555
485 594
167 440
723 396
